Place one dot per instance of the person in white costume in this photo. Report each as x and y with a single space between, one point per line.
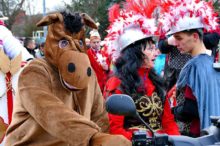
13 56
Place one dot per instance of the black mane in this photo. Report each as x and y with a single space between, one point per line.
72 21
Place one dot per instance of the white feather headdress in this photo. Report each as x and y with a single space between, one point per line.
127 26
182 15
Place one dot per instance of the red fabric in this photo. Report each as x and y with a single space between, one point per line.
9 96
149 87
99 71
195 124
171 99
2 22
168 123
216 57
116 126
111 87
189 94
117 122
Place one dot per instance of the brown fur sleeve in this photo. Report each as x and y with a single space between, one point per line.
99 113
35 91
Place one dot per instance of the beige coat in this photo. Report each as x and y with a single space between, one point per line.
41 114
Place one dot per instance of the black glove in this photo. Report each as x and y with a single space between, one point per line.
187 111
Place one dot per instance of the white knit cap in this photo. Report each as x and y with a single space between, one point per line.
94 34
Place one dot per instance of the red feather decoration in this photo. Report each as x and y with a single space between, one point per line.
144 7
132 5
113 12
165 6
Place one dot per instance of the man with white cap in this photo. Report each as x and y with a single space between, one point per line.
98 60
198 80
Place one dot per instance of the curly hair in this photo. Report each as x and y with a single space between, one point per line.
72 21
127 65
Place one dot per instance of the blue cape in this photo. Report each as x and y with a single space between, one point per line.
204 80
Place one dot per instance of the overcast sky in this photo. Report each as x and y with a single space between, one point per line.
51 5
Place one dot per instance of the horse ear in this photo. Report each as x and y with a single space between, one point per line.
88 21
49 19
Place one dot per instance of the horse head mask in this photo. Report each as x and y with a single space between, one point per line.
65 47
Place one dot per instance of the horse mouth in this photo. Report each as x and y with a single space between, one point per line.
69 86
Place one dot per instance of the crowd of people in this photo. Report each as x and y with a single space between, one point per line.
164 63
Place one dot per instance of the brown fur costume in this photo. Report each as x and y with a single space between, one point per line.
59 102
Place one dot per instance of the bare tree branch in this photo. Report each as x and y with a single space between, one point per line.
11 9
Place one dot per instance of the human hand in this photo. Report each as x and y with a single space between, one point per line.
172 96
171 41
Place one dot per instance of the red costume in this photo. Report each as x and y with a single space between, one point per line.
191 128
160 118
101 74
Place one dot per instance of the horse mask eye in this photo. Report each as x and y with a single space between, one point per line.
63 43
81 43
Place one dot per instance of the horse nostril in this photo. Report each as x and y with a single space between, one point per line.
71 67
89 71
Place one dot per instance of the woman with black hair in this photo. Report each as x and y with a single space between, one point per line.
133 52
135 76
